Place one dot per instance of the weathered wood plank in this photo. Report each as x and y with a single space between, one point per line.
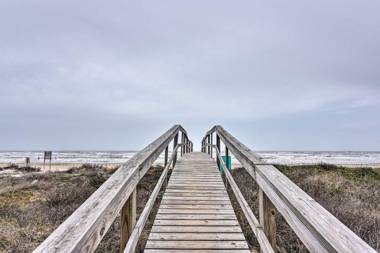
193 191
195 216
193 194
196 229
194 206
267 214
132 242
212 198
209 185
195 187
195 202
195 175
197 236
318 229
127 220
197 251
84 229
196 195
265 246
196 222
195 211
194 180
196 245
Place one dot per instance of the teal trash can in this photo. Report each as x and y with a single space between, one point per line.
227 161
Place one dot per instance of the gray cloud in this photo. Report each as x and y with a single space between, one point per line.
127 66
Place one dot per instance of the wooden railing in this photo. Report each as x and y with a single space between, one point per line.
85 228
318 229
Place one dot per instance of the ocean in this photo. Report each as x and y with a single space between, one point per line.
272 157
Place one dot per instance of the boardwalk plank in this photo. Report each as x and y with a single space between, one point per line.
196 229
196 214
217 244
196 251
197 236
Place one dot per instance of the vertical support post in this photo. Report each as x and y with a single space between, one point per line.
226 168
175 143
208 146
227 159
267 213
218 146
182 143
166 155
211 142
127 220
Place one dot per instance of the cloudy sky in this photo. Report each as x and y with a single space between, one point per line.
279 75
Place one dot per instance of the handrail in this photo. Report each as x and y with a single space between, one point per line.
84 229
318 229
265 245
139 227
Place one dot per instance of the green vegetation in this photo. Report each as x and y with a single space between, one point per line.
34 204
350 194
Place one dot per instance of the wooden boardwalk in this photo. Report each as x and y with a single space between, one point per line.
196 214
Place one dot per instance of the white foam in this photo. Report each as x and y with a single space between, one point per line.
117 157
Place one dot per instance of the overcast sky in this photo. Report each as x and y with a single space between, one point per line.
111 75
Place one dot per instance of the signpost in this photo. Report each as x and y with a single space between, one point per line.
27 162
47 156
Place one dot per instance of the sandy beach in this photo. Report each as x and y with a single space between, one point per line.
56 167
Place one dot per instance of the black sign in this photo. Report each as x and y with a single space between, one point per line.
47 155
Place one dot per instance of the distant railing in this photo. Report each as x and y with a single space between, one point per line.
318 229
85 228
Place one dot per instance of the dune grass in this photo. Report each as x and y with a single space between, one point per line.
350 194
33 205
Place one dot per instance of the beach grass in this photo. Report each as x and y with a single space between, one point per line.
34 204
350 194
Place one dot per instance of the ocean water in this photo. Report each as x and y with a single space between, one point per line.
314 157
273 157
70 157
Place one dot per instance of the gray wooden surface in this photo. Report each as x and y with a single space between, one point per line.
318 229
85 228
195 214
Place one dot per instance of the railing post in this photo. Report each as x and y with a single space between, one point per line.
127 220
182 143
166 155
227 159
267 213
218 146
211 142
208 142
175 143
